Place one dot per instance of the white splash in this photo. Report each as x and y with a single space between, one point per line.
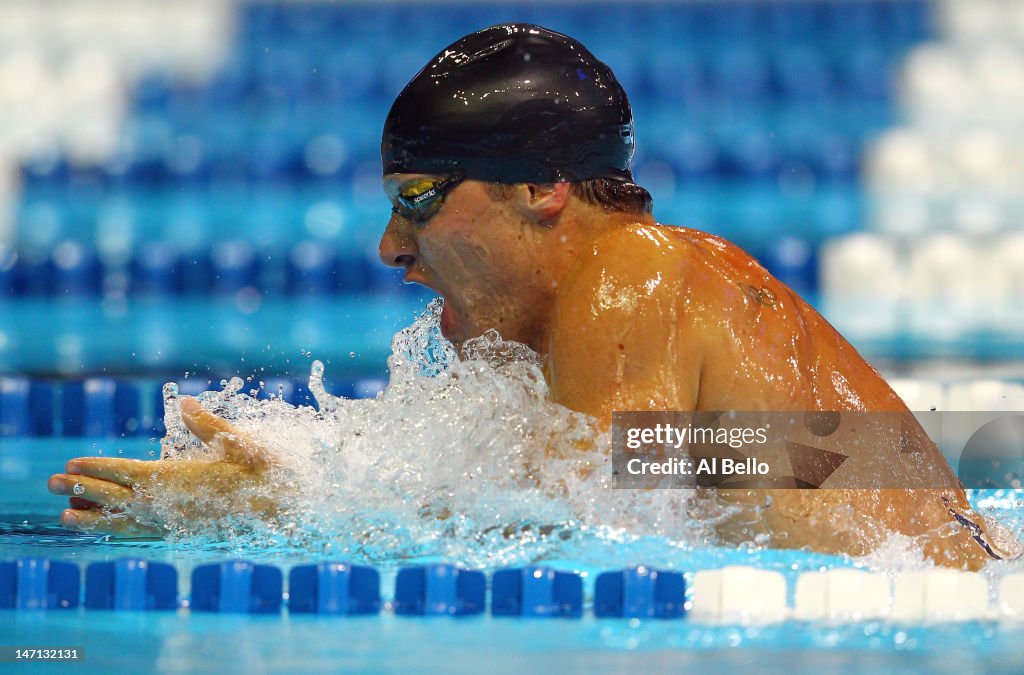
462 456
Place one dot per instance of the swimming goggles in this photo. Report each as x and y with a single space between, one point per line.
421 200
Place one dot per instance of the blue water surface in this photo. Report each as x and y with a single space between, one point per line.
192 642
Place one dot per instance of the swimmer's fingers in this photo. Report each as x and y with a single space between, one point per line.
238 446
101 492
203 423
100 522
127 472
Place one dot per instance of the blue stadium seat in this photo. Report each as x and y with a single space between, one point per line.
44 172
31 275
837 158
794 262
153 93
854 22
867 73
228 87
794 21
355 270
694 156
740 73
737 22
752 155
233 266
154 268
676 75
726 95
74 270
802 73
346 74
193 274
312 269
8 266
908 21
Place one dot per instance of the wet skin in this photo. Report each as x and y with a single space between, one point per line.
107 494
629 315
665 318
633 315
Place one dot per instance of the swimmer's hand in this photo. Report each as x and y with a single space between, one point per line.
112 495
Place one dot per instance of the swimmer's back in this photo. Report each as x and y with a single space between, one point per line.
736 338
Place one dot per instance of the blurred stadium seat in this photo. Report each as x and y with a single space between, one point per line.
150 150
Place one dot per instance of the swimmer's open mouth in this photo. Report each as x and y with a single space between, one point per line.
411 278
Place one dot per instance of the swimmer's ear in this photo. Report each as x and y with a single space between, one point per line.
541 202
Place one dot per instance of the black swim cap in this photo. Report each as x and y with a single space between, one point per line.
514 103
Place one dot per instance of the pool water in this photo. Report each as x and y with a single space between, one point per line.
192 642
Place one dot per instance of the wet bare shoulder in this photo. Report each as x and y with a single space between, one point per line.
634 255
620 337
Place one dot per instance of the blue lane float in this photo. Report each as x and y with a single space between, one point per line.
14 406
100 407
237 586
41 408
26 407
89 407
107 408
131 585
334 588
440 590
640 593
536 592
36 583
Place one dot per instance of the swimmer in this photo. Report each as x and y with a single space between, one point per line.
507 164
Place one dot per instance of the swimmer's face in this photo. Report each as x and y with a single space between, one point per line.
472 250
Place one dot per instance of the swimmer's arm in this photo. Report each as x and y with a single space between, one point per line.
856 521
108 494
620 337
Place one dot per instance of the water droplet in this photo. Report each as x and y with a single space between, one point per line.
78 489
326 402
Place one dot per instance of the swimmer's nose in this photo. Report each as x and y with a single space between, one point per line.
397 249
